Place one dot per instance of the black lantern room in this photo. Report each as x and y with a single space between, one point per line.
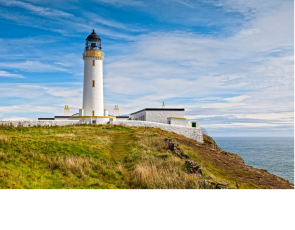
93 42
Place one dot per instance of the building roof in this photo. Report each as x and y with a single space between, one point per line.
176 118
93 37
45 119
158 109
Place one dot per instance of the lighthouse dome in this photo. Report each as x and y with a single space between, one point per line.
93 42
93 37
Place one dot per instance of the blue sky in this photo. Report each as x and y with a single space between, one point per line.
229 63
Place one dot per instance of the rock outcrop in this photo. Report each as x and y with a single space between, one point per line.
174 147
212 185
194 168
208 141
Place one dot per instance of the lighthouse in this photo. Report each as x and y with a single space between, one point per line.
93 111
93 76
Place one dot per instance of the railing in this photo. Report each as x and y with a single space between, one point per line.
93 53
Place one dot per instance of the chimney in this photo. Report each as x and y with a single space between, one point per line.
116 111
66 111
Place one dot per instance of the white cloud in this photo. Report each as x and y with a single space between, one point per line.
10 75
31 66
19 118
249 73
248 7
236 99
43 99
65 23
122 3
43 11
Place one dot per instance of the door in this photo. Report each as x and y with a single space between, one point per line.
194 124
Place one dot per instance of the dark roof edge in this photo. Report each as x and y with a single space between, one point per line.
175 109
45 118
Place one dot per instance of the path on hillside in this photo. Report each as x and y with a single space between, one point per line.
121 146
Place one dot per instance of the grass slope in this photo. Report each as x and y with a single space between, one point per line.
106 156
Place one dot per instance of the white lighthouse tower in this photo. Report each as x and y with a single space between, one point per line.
93 77
93 109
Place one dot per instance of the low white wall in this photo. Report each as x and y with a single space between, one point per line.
122 119
30 123
98 120
192 133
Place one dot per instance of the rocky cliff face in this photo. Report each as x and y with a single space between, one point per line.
208 141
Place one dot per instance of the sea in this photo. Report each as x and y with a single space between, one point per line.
275 154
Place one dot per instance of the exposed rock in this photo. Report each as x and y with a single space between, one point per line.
174 147
194 168
206 184
222 186
208 141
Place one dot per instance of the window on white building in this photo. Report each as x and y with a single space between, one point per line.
93 62
93 83
93 112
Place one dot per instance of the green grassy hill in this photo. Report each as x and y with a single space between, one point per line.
106 156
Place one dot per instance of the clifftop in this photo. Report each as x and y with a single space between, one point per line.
208 141
107 156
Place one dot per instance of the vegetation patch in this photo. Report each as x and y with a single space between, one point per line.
111 157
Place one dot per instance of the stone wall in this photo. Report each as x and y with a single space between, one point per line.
30 123
192 133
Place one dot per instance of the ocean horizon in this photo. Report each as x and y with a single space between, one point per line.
275 154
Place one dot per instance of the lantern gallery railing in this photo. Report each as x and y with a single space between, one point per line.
93 53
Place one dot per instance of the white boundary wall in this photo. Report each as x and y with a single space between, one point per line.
30 123
192 133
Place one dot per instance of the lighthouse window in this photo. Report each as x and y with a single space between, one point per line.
93 83
93 113
93 62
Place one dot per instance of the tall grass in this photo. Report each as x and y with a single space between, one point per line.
154 166
84 166
162 174
100 156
